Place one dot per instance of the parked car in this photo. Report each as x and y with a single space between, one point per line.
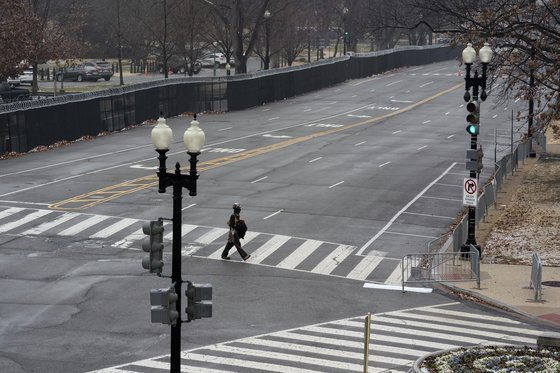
177 65
13 81
103 67
26 77
217 59
78 73
8 93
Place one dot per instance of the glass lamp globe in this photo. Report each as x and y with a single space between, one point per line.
194 137
485 53
469 54
162 134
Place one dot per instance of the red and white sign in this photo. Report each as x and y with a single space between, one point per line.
470 191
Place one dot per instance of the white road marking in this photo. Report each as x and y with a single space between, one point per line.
185 229
447 113
9 212
390 222
256 181
384 164
425 84
443 199
391 97
83 225
372 90
189 206
267 109
26 219
505 108
299 254
395 277
130 239
393 286
332 103
360 143
394 133
274 118
271 215
409 234
434 71
426 121
140 167
517 99
331 261
50 224
403 101
211 236
277 136
461 105
340 182
354 96
306 110
430 215
316 159
224 129
366 266
416 68
390 84
358 116
422 147
248 238
450 136
494 116
268 248
114 228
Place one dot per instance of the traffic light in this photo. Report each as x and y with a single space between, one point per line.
164 306
346 35
473 118
153 245
474 159
199 303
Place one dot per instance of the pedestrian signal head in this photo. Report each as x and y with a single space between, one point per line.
474 112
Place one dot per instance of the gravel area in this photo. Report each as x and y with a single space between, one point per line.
531 221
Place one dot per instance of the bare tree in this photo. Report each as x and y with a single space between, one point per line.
15 37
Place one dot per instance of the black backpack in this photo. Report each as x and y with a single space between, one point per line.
241 228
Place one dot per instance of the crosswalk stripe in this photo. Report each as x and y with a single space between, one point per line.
26 219
166 366
114 228
384 338
362 270
285 357
326 351
185 229
75 229
442 327
51 224
10 211
347 343
469 315
300 254
132 238
463 322
395 278
418 333
268 248
211 236
248 237
331 261
245 363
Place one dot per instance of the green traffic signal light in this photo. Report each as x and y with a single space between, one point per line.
472 129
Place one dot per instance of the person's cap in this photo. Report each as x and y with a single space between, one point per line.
236 206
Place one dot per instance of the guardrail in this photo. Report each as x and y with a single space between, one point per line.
441 267
536 276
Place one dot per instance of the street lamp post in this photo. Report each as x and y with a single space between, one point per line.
267 15
194 139
476 82
215 44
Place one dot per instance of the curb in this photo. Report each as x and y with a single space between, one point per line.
497 304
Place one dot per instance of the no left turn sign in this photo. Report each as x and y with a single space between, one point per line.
470 191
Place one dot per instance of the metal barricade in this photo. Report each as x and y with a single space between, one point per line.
441 267
536 276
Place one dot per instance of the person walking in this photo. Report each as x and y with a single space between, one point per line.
233 236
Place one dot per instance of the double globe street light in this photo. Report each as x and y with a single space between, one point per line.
194 139
474 155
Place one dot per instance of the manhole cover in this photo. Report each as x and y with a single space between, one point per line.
555 284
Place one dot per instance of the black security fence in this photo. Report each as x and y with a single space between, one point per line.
27 124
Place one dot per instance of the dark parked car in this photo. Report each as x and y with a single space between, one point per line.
177 65
79 73
10 93
103 67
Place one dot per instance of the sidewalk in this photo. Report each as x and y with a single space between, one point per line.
506 286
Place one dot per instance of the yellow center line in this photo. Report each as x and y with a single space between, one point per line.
111 192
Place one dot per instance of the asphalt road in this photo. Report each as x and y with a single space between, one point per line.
336 186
